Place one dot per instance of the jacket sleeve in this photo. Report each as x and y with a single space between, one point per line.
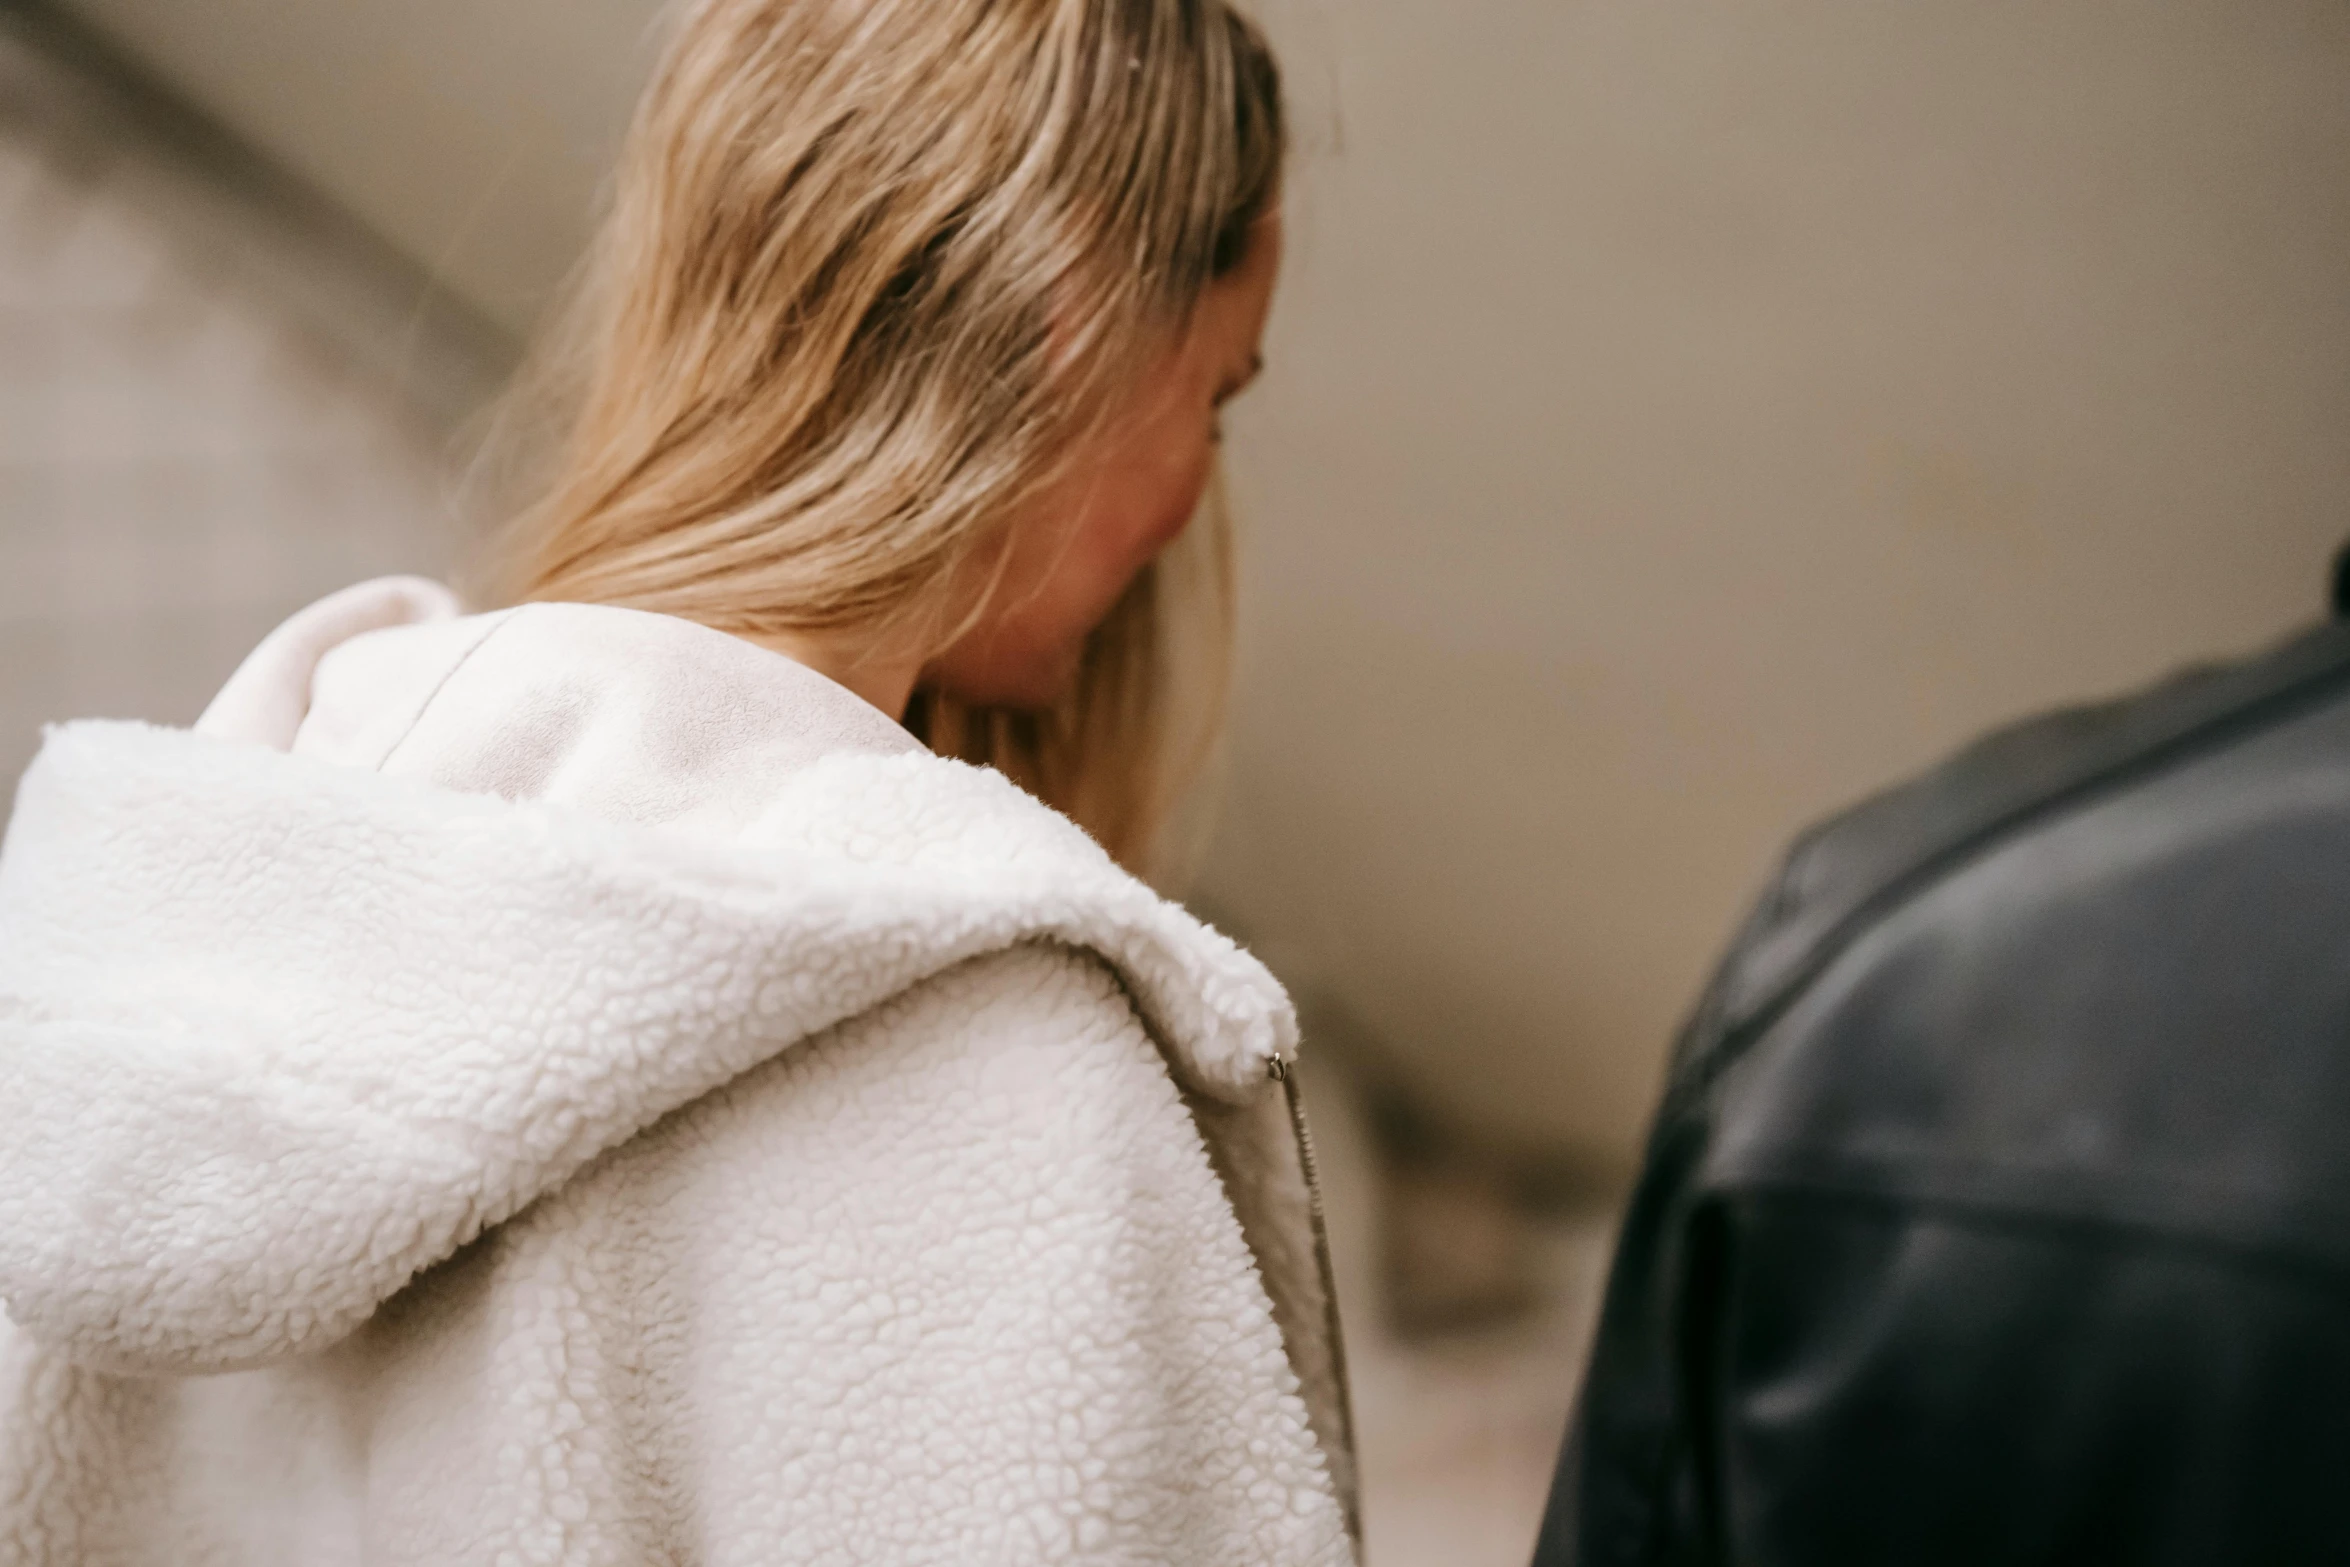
1865 1383
956 1283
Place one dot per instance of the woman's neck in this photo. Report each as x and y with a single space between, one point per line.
882 674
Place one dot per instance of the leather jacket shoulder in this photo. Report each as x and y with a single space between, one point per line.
1999 1205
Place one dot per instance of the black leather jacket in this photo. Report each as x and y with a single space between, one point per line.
1998 1210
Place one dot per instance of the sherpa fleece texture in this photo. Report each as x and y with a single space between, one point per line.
785 1160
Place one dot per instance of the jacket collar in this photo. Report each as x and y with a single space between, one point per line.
632 717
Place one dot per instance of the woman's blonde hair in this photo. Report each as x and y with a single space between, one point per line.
873 270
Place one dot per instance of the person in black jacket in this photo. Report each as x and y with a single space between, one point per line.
1998 1209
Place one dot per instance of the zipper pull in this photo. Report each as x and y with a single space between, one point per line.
1277 1068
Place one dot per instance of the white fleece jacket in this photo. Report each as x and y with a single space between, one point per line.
567 1086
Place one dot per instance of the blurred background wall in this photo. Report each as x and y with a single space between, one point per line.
1689 416
201 422
1681 420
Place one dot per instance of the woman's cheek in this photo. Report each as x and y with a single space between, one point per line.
1184 495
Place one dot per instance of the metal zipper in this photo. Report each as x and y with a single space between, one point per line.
1279 1069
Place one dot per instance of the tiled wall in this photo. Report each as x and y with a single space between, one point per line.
181 464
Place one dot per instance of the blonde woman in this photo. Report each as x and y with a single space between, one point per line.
599 1080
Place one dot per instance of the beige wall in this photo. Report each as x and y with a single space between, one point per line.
1685 417
1682 418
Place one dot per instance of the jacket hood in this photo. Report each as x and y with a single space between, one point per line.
277 1034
